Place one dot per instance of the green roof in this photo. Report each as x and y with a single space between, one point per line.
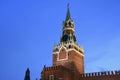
68 14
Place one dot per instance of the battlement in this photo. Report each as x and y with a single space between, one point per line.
105 73
52 68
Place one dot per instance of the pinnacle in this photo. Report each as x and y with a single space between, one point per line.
68 13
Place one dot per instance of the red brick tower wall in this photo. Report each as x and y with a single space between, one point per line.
74 62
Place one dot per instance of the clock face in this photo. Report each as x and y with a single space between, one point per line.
65 38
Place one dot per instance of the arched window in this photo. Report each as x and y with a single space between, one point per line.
51 77
69 23
69 46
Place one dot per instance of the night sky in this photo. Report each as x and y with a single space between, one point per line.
30 28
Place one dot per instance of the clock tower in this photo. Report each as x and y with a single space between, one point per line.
68 56
68 53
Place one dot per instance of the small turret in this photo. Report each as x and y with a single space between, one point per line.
27 74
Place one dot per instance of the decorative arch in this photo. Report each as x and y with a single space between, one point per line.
63 54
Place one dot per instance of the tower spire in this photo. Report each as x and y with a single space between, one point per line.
68 13
68 28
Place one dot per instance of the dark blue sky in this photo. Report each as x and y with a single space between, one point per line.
30 28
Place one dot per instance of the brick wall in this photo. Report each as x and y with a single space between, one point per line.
59 72
74 62
107 75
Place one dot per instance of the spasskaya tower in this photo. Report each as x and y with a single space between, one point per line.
68 56
68 53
